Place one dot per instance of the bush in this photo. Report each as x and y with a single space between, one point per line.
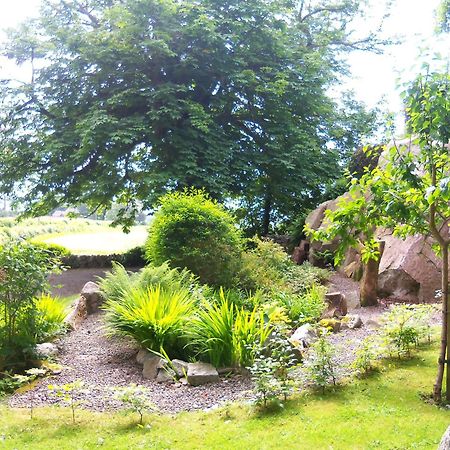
135 257
24 270
191 231
54 250
226 335
154 317
119 282
302 278
50 317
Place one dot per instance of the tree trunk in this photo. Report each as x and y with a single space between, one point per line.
266 214
445 333
368 295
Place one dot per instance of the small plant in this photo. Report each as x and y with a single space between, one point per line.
50 317
320 367
135 398
366 356
404 327
70 394
271 370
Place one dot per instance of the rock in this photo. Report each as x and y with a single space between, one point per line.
337 305
46 350
165 375
445 441
93 295
151 366
333 325
351 322
183 381
201 373
180 367
142 355
300 253
303 336
373 324
77 315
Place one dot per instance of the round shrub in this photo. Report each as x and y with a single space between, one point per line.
192 231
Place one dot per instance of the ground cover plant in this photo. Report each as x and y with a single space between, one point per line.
382 411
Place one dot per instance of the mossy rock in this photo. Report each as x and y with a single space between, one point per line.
333 325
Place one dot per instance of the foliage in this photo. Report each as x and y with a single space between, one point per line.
119 282
135 257
226 335
136 399
131 98
301 279
404 326
51 313
192 231
55 250
70 394
319 365
24 270
154 317
305 307
367 355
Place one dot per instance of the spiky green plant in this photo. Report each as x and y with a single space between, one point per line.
225 335
154 317
50 316
119 282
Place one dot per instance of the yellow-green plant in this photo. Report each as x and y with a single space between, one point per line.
154 317
51 313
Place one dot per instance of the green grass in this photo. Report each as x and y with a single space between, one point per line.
382 412
101 241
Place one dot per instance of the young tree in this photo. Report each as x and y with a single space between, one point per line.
128 99
409 192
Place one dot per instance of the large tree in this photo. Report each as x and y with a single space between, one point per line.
130 98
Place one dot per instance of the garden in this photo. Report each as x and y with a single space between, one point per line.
239 331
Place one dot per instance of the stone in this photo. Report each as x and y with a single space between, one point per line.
46 350
77 314
303 336
180 367
142 355
151 366
333 325
300 253
165 375
354 321
373 324
337 305
201 373
445 441
93 295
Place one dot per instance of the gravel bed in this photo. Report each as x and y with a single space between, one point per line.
103 363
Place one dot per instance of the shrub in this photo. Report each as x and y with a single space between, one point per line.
135 398
320 366
226 335
54 250
366 356
306 307
191 231
51 313
154 317
301 278
135 257
119 282
24 270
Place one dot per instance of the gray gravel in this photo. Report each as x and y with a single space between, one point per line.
103 363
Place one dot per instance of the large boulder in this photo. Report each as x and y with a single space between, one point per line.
201 373
93 295
409 269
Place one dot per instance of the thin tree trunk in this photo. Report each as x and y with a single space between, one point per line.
266 214
445 332
368 295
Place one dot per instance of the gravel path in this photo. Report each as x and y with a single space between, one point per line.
103 363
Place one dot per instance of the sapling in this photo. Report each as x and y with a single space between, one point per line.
69 393
135 398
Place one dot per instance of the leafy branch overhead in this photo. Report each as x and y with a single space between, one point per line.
127 100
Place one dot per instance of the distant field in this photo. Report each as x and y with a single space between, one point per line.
80 236
100 242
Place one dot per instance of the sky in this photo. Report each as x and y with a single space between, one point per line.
373 77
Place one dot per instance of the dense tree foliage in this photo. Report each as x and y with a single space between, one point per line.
129 99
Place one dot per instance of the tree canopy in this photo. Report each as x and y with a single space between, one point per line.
129 99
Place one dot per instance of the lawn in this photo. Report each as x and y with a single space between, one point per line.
381 412
99 241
